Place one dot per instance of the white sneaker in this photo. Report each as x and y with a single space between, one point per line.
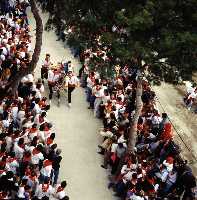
49 102
69 105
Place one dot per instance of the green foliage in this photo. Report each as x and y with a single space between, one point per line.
168 28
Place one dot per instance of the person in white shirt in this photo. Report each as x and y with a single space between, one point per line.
19 149
99 93
12 163
90 84
53 78
36 110
190 99
36 155
14 111
44 189
9 141
45 67
71 82
38 87
21 190
59 191
46 170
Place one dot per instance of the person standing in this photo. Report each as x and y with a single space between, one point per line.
71 83
56 166
45 67
59 191
98 93
53 78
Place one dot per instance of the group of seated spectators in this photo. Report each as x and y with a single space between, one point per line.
29 157
155 169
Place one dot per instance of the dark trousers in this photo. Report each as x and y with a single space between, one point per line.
44 73
50 91
70 89
54 176
51 88
115 166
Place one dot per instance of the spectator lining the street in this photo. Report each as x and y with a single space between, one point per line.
29 157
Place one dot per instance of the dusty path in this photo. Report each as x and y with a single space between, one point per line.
185 121
76 133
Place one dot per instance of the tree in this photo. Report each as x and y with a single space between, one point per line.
12 86
134 122
161 33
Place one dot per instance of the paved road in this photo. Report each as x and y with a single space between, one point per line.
76 134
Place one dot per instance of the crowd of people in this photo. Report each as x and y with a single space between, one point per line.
190 96
60 78
155 169
29 157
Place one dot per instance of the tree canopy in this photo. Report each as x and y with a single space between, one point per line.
150 30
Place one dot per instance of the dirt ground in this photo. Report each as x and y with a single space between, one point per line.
170 100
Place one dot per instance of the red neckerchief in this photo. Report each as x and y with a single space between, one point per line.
2 171
26 159
120 103
41 119
35 151
33 178
46 128
3 195
92 78
49 141
151 180
27 172
22 146
45 187
33 130
47 163
2 163
10 160
59 189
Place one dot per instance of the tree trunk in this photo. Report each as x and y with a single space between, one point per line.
134 122
12 86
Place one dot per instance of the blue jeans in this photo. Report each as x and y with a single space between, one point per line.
88 94
42 178
92 100
54 176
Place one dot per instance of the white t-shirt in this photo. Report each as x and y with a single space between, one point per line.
53 77
18 151
37 109
40 193
73 80
14 112
21 192
99 93
46 171
5 51
9 143
128 176
36 158
46 63
193 95
90 83
12 166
